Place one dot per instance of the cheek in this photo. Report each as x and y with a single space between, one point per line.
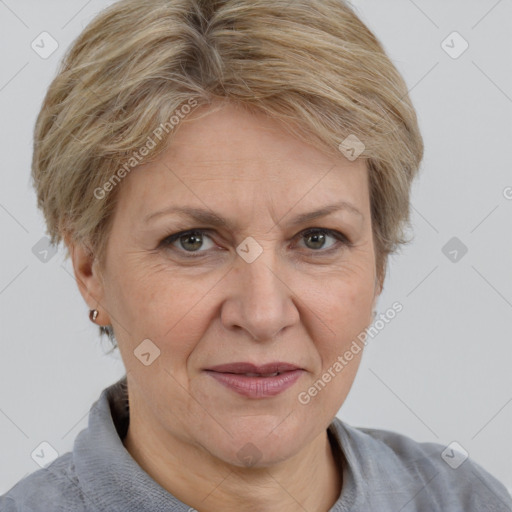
343 307
167 307
344 302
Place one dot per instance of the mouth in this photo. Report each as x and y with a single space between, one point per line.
252 370
256 381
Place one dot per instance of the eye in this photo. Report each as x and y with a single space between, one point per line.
190 241
317 238
193 240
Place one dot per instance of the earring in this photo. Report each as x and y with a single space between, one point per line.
93 314
374 314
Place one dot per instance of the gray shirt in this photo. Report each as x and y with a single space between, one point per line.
382 471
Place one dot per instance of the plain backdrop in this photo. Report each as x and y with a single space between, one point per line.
440 371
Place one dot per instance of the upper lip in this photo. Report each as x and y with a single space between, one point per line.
252 368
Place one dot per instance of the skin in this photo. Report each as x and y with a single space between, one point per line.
301 301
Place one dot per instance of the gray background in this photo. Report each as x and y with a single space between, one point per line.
440 371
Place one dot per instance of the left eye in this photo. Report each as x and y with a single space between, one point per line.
191 241
318 236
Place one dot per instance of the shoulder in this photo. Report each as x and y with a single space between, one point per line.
430 473
52 488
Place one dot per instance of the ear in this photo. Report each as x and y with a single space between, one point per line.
89 279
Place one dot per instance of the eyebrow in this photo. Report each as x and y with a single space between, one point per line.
209 217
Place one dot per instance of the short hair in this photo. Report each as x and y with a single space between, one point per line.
312 64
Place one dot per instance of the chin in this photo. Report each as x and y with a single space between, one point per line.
259 444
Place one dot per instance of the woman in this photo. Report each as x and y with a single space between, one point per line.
229 179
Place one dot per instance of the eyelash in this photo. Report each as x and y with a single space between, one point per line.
340 237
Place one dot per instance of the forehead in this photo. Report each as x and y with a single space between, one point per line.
232 157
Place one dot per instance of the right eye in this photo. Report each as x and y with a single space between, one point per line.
190 241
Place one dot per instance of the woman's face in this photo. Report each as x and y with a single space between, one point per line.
257 289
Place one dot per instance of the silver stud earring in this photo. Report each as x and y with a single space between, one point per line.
93 314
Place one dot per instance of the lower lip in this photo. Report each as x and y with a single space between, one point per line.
257 387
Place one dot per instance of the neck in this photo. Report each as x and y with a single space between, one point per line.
311 480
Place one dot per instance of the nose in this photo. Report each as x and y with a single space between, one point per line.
259 300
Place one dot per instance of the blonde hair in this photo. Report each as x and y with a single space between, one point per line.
312 64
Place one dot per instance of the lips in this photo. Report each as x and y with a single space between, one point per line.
256 381
252 370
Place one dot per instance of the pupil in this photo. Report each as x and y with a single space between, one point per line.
316 237
196 244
